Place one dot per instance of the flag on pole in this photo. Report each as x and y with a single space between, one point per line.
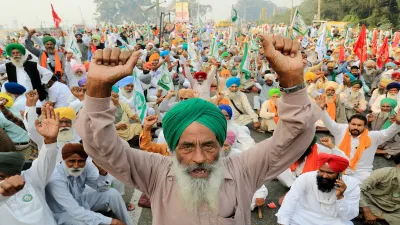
360 47
234 15
374 42
56 18
214 49
342 53
298 24
72 46
305 42
165 80
321 47
139 100
253 45
383 54
396 39
245 64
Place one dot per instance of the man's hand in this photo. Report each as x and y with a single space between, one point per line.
107 67
340 188
284 57
369 217
320 101
78 93
115 99
11 185
49 125
358 110
371 117
149 121
121 126
327 142
397 118
196 94
30 32
116 222
101 170
170 94
31 98
136 119
69 56
3 102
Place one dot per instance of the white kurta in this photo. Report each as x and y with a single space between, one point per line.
29 206
204 88
364 166
304 204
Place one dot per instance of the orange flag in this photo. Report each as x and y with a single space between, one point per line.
383 54
341 53
360 47
56 18
374 42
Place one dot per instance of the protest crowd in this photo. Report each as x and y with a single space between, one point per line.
89 115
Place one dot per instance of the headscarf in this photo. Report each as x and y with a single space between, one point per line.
237 59
310 76
225 73
96 37
66 112
332 84
179 117
49 38
225 54
336 163
390 64
269 76
10 101
233 80
147 66
14 88
165 44
393 104
13 46
200 73
71 149
125 81
82 82
385 81
115 89
395 75
77 66
185 46
186 93
354 82
393 85
352 78
154 56
164 53
274 91
227 108
230 137
11 163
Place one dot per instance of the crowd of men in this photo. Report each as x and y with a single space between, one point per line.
73 136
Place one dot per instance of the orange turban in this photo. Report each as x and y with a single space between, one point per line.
147 66
225 73
336 163
72 149
154 57
186 93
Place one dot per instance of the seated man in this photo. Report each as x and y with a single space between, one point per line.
357 142
22 196
59 93
126 90
354 100
378 94
266 84
71 203
383 120
322 197
269 111
16 92
393 90
244 115
380 195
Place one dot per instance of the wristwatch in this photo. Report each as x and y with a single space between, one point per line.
292 89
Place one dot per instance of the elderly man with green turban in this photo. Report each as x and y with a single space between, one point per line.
354 99
383 120
48 55
197 184
269 111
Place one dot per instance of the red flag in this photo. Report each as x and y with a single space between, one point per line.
341 53
374 42
383 54
360 47
57 20
396 39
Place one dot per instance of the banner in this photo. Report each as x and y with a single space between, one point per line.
182 12
139 100
298 24
245 64
165 80
72 46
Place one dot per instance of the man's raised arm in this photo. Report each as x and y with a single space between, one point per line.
95 123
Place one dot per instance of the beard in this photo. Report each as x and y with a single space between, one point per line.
354 94
233 95
369 72
325 185
126 94
383 115
50 51
392 96
355 132
197 192
18 61
381 91
65 134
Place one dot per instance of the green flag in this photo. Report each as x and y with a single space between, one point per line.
245 64
234 15
165 80
139 100
298 24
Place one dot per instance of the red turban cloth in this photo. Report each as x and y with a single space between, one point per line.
336 163
72 149
395 75
200 73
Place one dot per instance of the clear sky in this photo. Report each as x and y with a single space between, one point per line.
32 12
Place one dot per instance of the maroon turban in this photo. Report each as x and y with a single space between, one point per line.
336 163
200 73
72 149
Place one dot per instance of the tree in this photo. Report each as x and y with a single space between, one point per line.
118 11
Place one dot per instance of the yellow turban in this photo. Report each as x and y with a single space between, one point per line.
66 112
186 93
332 84
384 82
331 64
225 73
10 101
310 76
154 57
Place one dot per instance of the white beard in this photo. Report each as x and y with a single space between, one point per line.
392 96
368 72
126 94
233 95
19 63
65 134
198 192
384 115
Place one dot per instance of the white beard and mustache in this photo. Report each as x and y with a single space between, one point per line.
384 115
65 134
368 72
198 192
18 62
126 94
233 95
392 96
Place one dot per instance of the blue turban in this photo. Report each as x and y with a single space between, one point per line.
14 88
352 77
227 108
390 64
125 81
233 80
393 85
82 82
183 114
164 53
115 89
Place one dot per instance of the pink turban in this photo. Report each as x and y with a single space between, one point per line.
230 137
77 66
336 163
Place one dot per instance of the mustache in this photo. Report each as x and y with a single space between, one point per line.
202 166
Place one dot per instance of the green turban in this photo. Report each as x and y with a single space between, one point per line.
11 163
393 104
177 119
96 37
274 91
354 82
49 38
225 54
13 46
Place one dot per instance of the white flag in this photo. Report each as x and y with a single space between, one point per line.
298 24
165 80
321 47
72 46
214 49
139 100
245 64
